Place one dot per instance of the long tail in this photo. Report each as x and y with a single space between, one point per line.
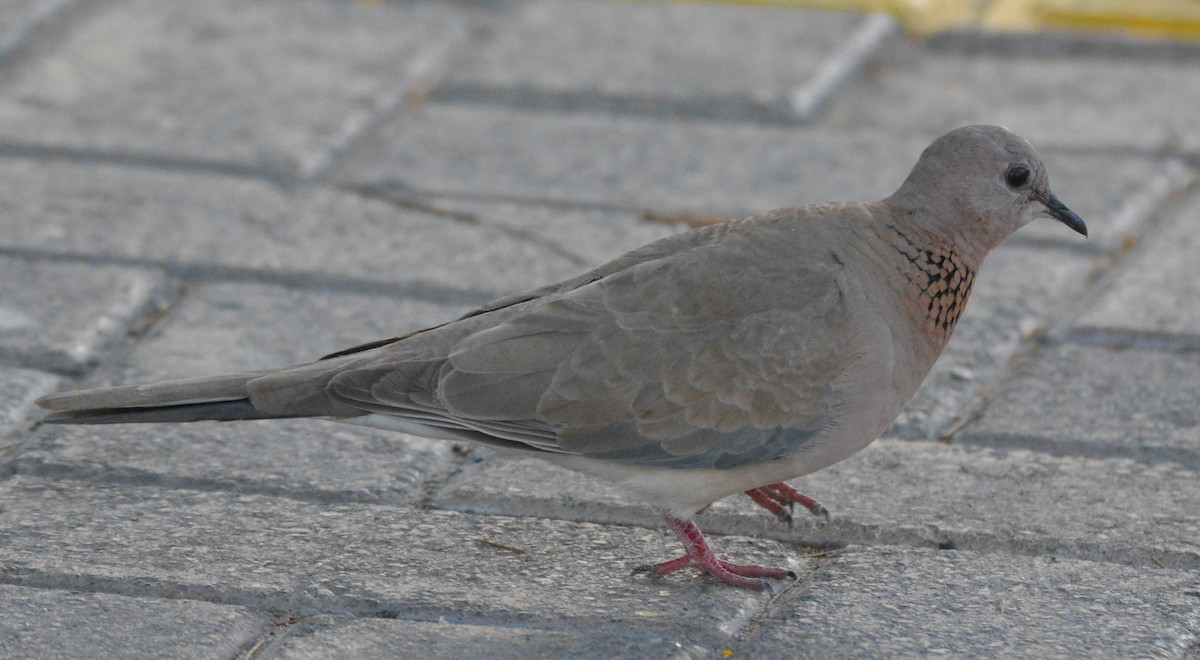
220 397
293 392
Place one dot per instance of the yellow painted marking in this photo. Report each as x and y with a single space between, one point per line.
1179 19
1173 19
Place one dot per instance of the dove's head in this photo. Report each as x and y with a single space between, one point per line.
976 185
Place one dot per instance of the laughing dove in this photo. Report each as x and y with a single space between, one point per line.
722 360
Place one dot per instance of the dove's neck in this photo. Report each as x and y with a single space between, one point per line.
937 277
933 274
945 222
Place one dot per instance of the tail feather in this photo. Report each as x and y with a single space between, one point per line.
169 393
297 391
225 411
193 399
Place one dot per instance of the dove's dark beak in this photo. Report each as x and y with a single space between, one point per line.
1059 211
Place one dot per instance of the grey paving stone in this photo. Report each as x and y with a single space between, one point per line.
279 554
310 460
50 623
221 328
202 225
328 637
1016 501
59 316
277 86
19 18
493 485
893 602
1053 100
1156 292
589 236
637 164
18 389
909 493
1101 401
736 61
627 162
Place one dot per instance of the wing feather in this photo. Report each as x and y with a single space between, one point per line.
681 355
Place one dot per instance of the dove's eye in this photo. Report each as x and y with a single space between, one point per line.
1016 176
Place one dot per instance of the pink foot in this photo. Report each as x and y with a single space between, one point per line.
778 499
698 555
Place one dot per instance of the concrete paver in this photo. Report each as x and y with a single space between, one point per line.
1128 402
202 225
1026 502
326 637
592 55
307 460
1157 289
239 326
960 603
275 86
1051 100
19 19
305 558
588 236
59 316
625 163
910 493
65 624
18 390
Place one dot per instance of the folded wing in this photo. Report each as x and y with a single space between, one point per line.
687 358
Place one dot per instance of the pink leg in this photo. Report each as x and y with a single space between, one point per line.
764 499
698 555
774 497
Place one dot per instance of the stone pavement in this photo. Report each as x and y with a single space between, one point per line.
190 188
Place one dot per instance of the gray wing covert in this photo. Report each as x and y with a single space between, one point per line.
696 362
705 367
